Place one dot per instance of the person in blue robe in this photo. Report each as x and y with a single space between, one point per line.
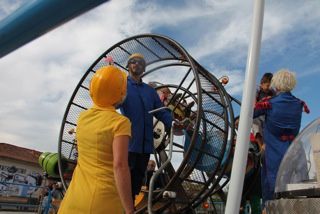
283 114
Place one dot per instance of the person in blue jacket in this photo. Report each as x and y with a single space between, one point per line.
141 98
283 114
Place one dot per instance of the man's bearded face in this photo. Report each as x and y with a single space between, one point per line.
136 66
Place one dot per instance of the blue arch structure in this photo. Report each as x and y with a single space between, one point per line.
37 18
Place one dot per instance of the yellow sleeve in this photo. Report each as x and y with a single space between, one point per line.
123 127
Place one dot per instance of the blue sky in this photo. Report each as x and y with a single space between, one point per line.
37 80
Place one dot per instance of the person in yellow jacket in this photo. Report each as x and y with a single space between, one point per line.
101 180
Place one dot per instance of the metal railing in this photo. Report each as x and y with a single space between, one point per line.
163 166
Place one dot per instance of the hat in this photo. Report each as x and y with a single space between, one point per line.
108 86
136 55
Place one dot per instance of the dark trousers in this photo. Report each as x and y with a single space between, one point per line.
138 164
266 188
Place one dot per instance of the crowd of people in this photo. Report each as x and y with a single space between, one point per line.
114 149
51 197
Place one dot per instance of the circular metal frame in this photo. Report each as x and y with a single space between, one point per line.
212 126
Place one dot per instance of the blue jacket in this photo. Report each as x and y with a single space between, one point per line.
283 114
142 98
282 123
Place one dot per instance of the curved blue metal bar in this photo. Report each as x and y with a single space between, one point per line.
38 17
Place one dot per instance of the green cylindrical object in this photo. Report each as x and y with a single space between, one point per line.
42 157
50 164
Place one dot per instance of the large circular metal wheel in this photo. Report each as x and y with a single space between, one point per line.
202 141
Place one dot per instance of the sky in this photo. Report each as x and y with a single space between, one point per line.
37 80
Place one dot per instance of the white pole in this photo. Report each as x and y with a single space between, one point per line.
249 90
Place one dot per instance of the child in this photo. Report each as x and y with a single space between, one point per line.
263 92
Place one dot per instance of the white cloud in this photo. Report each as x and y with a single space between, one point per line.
8 6
39 78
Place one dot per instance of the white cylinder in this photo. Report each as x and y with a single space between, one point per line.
246 114
169 194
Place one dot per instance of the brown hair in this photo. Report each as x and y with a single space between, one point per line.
266 78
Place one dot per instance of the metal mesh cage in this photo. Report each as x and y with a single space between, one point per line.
201 151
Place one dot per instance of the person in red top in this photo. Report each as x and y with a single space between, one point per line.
264 91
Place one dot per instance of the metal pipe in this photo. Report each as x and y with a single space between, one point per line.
37 18
157 173
241 150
